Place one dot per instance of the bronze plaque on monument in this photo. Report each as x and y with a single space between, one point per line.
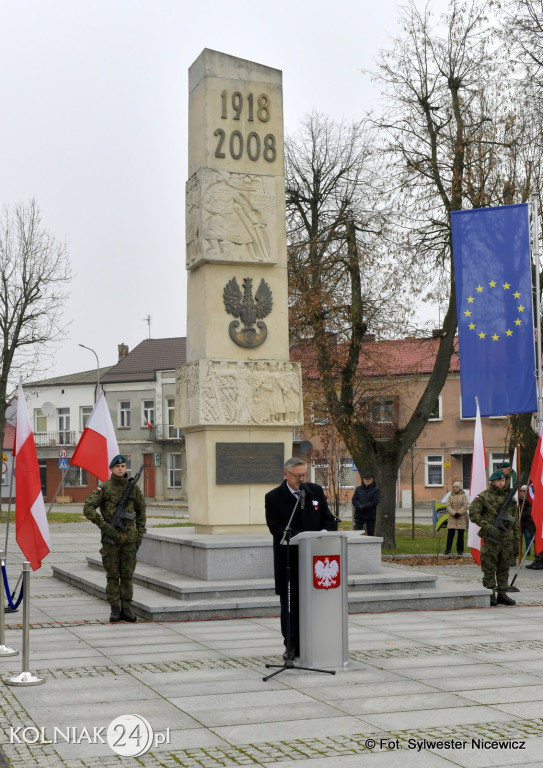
246 463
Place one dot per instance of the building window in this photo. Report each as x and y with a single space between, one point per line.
321 474
174 470
40 420
123 416
434 470
147 413
495 459
75 477
381 411
63 426
346 474
173 433
84 415
437 414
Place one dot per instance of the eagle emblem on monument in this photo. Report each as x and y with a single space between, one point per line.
251 311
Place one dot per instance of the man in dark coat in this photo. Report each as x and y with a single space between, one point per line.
315 516
365 500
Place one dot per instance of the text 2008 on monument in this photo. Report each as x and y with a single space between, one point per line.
255 109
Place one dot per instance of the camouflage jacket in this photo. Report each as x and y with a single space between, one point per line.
486 505
106 497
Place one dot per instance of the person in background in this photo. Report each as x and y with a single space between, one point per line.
457 507
511 479
365 500
527 525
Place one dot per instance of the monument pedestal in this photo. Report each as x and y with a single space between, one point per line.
225 485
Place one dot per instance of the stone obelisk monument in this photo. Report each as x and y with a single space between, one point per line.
239 397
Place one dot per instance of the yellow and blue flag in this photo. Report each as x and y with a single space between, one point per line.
492 265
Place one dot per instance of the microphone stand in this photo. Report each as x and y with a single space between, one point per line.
289 661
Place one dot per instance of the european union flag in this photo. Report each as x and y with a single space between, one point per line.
491 252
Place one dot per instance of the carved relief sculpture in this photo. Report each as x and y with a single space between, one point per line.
224 392
228 218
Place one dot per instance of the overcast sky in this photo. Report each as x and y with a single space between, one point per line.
94 126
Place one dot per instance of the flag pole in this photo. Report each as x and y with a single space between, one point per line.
26 677
62 477
537 319
8 515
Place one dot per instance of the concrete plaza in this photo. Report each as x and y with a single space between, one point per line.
424 688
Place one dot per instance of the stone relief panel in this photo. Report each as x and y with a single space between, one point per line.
224 392
229 218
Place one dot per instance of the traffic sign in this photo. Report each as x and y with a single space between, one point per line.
63 453
63 463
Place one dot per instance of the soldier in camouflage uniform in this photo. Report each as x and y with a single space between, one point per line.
510 474
119 559
497 544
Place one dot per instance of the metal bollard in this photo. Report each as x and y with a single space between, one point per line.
26 677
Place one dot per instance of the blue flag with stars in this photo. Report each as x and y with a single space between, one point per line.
492 264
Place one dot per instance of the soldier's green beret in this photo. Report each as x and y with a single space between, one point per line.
497 475
504 464
118 459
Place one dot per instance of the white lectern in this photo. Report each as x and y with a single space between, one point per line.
323 574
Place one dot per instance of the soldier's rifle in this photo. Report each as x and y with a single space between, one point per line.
503 517
120 514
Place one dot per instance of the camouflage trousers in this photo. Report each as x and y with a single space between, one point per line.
119 562
495 562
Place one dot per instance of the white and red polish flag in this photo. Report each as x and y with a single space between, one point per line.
478 483
31 527
535 492
98 444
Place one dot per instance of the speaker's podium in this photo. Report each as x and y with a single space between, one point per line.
323 576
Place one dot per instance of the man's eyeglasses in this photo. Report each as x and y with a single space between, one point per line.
298 477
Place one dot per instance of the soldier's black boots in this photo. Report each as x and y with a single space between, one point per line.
493 599
537 565
503 599
115 614
126 614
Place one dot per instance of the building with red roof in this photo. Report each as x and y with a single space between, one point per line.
392 376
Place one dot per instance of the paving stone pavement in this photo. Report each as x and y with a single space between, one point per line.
423 688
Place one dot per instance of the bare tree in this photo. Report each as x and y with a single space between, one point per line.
446 138
525 27
34 275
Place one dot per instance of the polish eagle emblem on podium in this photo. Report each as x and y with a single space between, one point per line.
251 310
326 574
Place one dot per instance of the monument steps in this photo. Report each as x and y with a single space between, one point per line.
190 588
161 595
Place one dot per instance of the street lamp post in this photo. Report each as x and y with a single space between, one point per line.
97 371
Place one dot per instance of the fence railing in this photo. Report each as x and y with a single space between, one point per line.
51 439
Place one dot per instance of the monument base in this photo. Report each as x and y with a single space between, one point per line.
238 556
224 530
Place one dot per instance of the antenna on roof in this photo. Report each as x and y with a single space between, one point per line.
148 321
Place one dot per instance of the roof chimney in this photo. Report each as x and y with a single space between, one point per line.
123 351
